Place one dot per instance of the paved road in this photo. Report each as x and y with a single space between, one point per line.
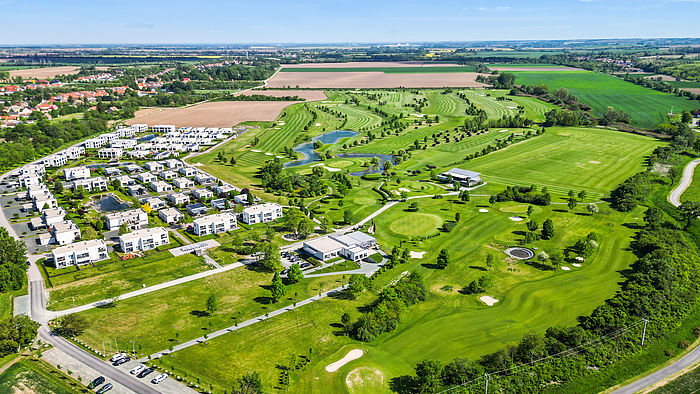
689 359
686 180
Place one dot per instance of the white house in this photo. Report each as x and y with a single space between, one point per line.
44 201
146 239
202 194
90 184
79 253
145 177
261 213
187 171
95 143
154 202
74 152
123 144
74 173
224 190
135 219
172 163
178 198
161 186
154 166
167 175
203 178
55 160
139 127
35 190
215 224
125 180
183 183
170 215
163 128
65 232
27 180
53 215
110 153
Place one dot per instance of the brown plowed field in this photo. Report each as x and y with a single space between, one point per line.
214 114
44 72
372 80
369 65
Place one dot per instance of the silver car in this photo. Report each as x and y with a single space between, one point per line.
159 378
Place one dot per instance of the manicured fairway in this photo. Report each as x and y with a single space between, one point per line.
449 324
647 107
568 158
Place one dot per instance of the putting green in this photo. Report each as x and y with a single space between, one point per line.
415 223
520 208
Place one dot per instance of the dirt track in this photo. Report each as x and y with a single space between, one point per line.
214 114
372 80
44 73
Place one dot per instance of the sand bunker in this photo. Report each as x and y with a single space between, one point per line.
483 210
502 131
566 268
488 300
516 218
331 169
354 354
403 189
268 153
594 162
254 150
416 255
576 265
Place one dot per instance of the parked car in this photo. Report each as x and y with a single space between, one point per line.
121 361
137 369
105 388
145 373
98 381
117 357
305 265
159 378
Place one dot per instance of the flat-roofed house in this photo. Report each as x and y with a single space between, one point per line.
65 232
261 213
161 186
80 253
183 183
215 224
465 177
145 239
353 246
134 218
170 215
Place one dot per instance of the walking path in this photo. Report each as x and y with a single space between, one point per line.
686 181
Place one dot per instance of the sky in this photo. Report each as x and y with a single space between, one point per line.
335 21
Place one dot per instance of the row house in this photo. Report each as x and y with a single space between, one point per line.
215 224
123 143
145 239
93 184
134 219
170 215
261 213
80 253
75 173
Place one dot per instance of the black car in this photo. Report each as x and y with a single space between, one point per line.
98 381
305 265
145 372
105 388
121 361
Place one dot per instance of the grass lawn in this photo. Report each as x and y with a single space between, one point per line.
647 107
91 284
7 301
36 376
153 320
567 158
692 193
688 383
345 265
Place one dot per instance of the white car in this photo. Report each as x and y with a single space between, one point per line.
159 378
137 369
117 356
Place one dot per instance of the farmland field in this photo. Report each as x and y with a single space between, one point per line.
372 79
212 114
386 70
647 107
44 72
309 95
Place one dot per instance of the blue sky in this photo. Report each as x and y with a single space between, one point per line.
305 21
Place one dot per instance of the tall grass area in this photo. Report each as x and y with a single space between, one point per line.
647 107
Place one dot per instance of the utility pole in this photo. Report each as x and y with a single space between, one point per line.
133 347
487 382
644 332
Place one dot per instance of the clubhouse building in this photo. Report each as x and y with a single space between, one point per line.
352 246
464 177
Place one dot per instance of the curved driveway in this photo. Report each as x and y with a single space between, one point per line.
686 180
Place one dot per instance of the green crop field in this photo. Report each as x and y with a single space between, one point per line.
688 383
647 107
386 70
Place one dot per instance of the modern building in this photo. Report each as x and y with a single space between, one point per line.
167 175
202 194
215 224
136 190
170 215
220 203
163 128
203 178
44 201
79 253
146 239
154 202
146 177
95 143
464 177
110 153
55 160
90 184
123 144
26 180
183 183
261 213
135 219
197 209
154 166
352 246
178 198
172 163
132 167
125 180
161 186
35 190
65 232
187 171
224 190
